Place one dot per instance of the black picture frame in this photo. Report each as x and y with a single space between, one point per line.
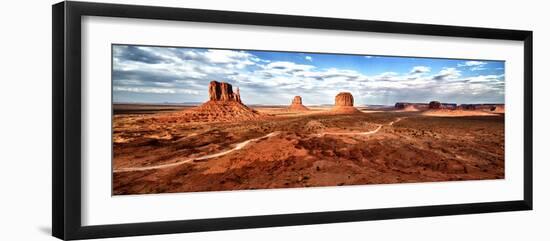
66 127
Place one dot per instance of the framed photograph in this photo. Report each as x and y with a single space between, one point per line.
170 120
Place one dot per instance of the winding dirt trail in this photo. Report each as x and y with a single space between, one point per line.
361 133
238 146
241 145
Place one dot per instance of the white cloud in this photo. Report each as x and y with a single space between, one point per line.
386 76
420 70
288 66
227 56
256 59
477 68
155 90
486 78
474 65
284 68
447 73
187 71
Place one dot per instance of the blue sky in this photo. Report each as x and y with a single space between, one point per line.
144 74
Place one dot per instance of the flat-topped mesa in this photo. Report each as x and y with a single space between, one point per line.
343 99
297 104
434 105
425 106
222 92
411 106
405 106
343 103
401 105
483 107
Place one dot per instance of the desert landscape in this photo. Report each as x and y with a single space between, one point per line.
225 144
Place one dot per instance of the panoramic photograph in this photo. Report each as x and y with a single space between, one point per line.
200 119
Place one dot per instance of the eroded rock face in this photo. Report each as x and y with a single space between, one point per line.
344 99
344 104
223 105
222 92
434 105
227 91
238 95
297 100
297 104
214 90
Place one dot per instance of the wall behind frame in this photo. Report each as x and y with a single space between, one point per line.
26 119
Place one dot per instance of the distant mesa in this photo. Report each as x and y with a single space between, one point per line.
343 103
467 107
403 106
297 105
498 108
436 108
223 105
434 105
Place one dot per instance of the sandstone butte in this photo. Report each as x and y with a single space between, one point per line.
223 105
223 92
343 103
297 105
434 105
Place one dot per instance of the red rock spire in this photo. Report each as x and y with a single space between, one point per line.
222 91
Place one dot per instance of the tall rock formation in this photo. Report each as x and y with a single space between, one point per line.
297 100
222 92
227 92
297 104
238 96
214 90
344 99
223 105
343 103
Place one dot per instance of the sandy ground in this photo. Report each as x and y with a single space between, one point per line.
457 113
304 149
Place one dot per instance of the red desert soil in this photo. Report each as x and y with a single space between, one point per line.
303 151
499 109
410 108
225 145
